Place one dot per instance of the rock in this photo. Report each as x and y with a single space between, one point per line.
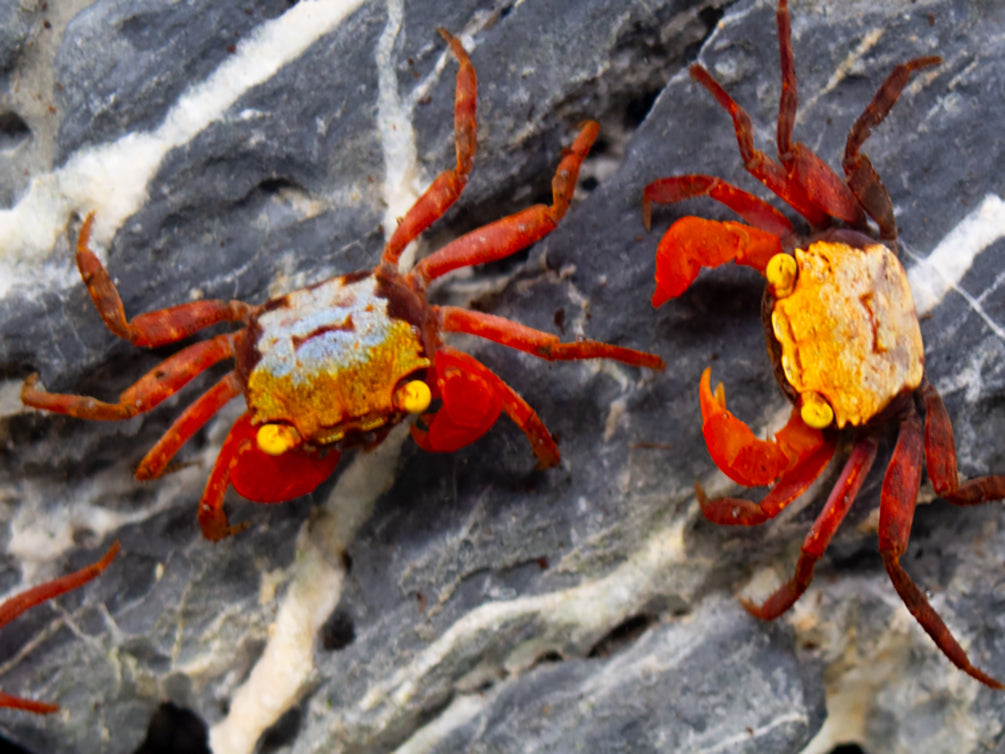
424 602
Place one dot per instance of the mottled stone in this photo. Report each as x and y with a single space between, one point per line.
481 603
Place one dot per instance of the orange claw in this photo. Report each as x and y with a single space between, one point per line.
693 242
470 406
738 453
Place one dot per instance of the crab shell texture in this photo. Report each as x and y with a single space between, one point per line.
848 331
328 359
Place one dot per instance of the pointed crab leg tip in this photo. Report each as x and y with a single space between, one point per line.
110 555
699 493
647 213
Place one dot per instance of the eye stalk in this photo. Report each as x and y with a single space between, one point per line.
276 439
781 275
815 411
413 397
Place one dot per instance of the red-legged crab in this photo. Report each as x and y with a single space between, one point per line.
842 334
337 364
12 607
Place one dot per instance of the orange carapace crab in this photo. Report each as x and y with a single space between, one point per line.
14 606
842 334
337 364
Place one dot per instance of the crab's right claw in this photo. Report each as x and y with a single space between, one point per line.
471 405
733 447
693 242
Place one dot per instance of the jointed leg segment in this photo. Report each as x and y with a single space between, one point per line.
861 175
896 513
509 235
940 458
443 192
163 381
155 328
537 343
827 523
26 600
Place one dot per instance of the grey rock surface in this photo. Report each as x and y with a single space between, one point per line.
468 601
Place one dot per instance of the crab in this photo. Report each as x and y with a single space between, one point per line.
12 607
337 364
842 335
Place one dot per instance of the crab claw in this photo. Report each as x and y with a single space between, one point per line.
738 453
258 476
471 405
692 243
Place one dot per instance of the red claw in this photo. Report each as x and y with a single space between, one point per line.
692 243
738 453
264 478
258 476
470 405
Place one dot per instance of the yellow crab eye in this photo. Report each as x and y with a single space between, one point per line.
276 439
781 275
815 411
413 397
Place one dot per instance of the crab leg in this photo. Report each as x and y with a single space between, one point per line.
940 458
509 235
806 174
896 512
816 542
156 328
751 208
535 342
26 600
448 185
159 383
862 177
456 425
191 420
212 517
757 163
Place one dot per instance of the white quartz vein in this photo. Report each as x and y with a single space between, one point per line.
932 277
112 178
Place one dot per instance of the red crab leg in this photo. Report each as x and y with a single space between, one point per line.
161 382
743 457
806 174
757 163
212 517
862 177
896 513
448 185
751 208
509 235
26 600
515 407
155 328
830 518
191 420
940 458
541 344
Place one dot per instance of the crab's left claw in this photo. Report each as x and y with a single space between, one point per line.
261 470
738 453
471 405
